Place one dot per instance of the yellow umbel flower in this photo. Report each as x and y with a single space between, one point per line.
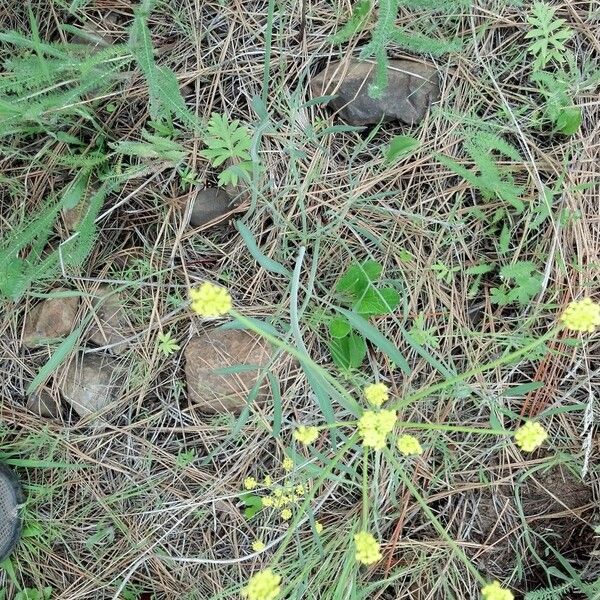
287 464
318 527
286 514
306 435
374 427
494 591
530 436
582 315
263 586
210 300
267 501
409 444
376 394
250 483
267 481
367 548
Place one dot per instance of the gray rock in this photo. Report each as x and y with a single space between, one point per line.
90 383
221 348
42 403
109 324
412 88
211 204
51 318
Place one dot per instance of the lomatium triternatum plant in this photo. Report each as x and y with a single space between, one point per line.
380 431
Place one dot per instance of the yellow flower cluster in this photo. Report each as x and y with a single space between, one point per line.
409 445
306 435
250 483
494 591
265 585
258 545
210 300
530 436
374 427
284 498
318 527
367 548
582 315
376 394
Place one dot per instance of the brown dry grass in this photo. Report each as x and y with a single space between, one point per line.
178 532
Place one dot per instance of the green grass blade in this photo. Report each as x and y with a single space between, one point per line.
264 261
376 338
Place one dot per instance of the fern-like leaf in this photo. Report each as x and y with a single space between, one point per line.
550 593
386 32
488 177
228 141
548 35
165 98
355 24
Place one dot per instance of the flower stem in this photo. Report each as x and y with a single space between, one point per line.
456 549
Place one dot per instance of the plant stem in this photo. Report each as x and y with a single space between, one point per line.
456 549
438 387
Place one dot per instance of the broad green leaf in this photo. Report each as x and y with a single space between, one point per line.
358 276
401 145
339 328
377 302
348 352
569 120
253 505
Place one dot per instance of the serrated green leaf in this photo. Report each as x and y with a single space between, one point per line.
498 296
479 269
355 23
520 270
165 99
504 241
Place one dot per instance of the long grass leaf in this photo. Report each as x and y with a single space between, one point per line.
376 338
264 261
